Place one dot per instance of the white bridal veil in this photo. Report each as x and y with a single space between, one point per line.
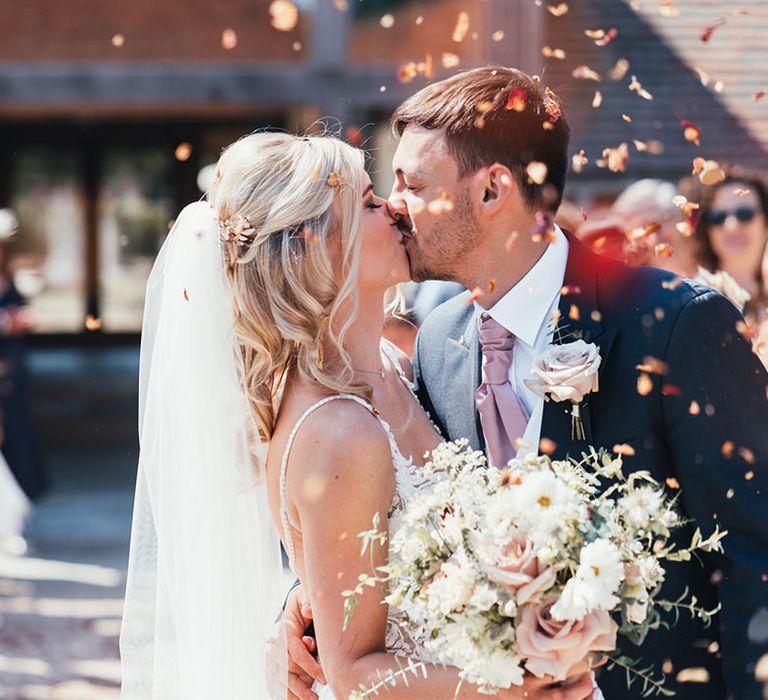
204 574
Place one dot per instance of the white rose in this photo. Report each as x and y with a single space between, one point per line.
566 372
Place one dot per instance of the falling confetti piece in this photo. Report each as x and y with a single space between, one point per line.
442 205
92 323
296 46
449 60
549 52
552 106
537 172
519 442
387 21
667 666
578 161
597 100
462 27
668 9
673 284
672 390
758 95
354 136
573 313
229 39
749 475
118 40
644 384
626 118
709 171
511 241
284 14
619 70
477 292
694 409
498 35
672 482
635 86
747 455
586 73
727 449
644 231
729 493
186 296
566 290
547 446
558 10
183 152
663 250
761 670
691 132
517 99
624 450
709 30
741 192
696 674
615 159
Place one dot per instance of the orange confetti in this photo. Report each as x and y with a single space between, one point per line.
547 446
619 70
565 290
729 493
747 455
118 40
517 99
672 390
708 31
597 100
635 86
694 409
284 14
229 39
450 60
511 241
624 450
667 9
462 27
696 674
615 159
537 172
749 475
442 205
186 296
578 161
709 171
663 250
727 449
549 52
672 482
758 95
691 132
558 10
92 323
573 313
387 21
498 35
586 73
644 384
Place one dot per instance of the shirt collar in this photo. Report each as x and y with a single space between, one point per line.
523 309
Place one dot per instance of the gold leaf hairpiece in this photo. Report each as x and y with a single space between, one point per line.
335 180
237 230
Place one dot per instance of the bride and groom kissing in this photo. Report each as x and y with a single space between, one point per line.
269 399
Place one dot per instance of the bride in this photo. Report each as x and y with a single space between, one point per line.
267 390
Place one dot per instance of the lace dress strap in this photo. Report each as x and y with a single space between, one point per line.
389 350
285 518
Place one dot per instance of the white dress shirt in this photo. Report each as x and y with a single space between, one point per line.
527 312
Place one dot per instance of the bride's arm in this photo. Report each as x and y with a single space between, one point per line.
341 476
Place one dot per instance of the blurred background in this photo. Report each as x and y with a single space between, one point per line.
111 116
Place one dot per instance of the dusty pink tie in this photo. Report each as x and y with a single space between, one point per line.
501 414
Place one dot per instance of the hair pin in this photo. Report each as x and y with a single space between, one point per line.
237 230
335 180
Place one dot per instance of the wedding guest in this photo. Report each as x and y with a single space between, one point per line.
732 231
646 205
18 445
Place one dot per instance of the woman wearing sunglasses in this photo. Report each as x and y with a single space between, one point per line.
732 231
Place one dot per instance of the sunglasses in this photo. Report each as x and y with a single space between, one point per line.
743 215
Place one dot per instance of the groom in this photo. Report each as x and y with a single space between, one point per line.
480 170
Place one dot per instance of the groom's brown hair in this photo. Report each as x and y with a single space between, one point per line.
492 115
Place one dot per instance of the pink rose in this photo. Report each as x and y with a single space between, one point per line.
552 647
516 566
566 372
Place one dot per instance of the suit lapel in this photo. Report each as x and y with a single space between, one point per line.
579 318
460 381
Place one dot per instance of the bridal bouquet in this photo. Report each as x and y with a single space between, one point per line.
530 567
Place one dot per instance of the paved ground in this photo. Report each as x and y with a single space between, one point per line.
60 605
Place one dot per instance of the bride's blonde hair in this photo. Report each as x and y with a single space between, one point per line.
290 207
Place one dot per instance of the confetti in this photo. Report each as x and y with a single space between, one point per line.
663 250
597 100
573 313
672 482
511 241
729 493
387 21
118 40
667 9
92 323
635 86
758 95
691 132
519 442
741 192
747 455
709 30
578 161
761 670
442 205
619 70
667 666
419 20
498 35
549 52
653 365
727 449
644 384
341 5
450 60
547 446
537 172
186 296
517 99
477 292
643 231
566 290
183 152
694 409
229 39
284 14
749 475
586 73
695 674
558 10
673 284
624 450
462 27
552 106
672 390
600 36
626 118
615 159
709 171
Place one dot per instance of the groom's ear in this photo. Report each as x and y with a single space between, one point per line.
496 185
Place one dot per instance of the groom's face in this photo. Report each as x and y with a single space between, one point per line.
433 203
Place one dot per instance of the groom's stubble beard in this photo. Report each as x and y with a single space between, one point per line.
452 236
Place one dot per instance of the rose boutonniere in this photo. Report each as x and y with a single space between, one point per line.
567 372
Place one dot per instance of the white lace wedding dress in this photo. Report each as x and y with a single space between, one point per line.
409 480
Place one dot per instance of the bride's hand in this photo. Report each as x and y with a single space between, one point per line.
303 668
